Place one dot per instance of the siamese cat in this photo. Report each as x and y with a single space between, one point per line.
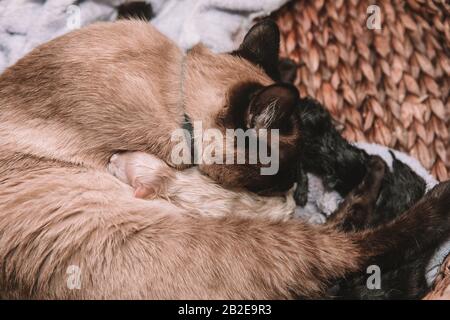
71 230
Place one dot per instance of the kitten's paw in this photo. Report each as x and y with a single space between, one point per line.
371 184
377 165
301 193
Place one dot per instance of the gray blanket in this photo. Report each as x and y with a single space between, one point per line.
219 24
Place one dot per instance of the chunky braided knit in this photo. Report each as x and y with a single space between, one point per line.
389 86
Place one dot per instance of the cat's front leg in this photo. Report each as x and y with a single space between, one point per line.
147 174
359 205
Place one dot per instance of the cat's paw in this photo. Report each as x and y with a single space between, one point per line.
147 174
117 167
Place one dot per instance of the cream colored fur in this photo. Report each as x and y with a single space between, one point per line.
194 192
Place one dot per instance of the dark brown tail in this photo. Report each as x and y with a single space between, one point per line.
424 225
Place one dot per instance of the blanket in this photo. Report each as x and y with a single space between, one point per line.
219 24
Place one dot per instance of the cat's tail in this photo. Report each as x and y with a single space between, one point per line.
424 225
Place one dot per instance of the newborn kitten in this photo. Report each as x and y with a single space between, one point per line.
196 193
328 155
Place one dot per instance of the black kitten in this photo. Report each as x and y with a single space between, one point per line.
342 166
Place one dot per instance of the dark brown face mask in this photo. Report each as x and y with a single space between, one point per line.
272 107
255 107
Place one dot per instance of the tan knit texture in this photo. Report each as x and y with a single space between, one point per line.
389 86
441 286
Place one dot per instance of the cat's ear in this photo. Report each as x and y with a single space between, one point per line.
272 106
261 46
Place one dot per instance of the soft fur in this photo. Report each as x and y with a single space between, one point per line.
71 104
198 194
193 191
88 80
